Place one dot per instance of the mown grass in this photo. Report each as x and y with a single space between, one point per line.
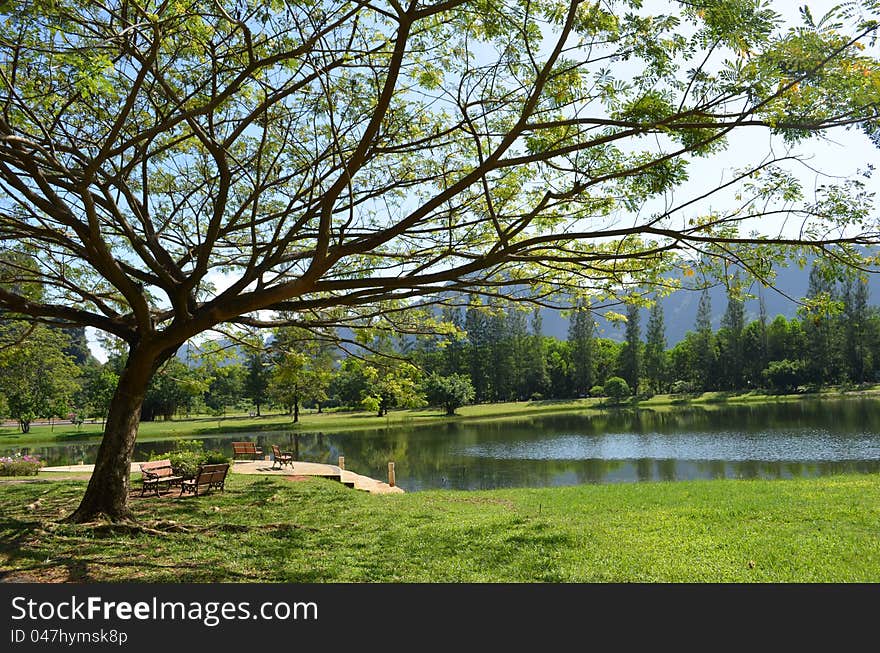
331 421
275 530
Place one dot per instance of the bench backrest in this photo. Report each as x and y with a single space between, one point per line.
244 447
158 467
276 451
212 473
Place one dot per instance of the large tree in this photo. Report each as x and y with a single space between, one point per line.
338 159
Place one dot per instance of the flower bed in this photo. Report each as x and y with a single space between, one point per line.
19 465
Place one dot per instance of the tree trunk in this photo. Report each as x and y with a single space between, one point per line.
107 492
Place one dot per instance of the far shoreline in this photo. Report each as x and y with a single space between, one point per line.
339 421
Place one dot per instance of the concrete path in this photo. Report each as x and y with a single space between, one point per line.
299 468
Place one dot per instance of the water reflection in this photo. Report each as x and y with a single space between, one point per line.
783 440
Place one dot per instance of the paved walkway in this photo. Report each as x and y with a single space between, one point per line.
264 467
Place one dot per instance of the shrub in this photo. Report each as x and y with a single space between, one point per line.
617 388
187 455
785 375
19 465
536 396
597 391
681 388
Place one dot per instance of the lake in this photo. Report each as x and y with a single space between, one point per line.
784 440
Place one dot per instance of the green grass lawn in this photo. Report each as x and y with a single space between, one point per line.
316 530
347 421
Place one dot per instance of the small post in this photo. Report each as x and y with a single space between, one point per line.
391 474
341 462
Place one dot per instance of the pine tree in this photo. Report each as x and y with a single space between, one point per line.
655 349
256 385
454 353
580 339
731 343
818 328
538 378
477 350
755 348
518 339
857 350
500 356
704 344
631 354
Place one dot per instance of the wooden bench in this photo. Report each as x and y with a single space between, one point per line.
156 473
248 450
208 477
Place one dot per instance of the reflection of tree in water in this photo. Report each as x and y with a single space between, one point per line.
666 470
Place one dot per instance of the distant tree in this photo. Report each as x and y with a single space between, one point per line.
730 342
655 349
478 349
391 384
256 382
98 384
631 352
785 339
580 344
558 354
302 363
536 372
704 356
856 330
817 318
785 375
519 342
454 353
449 392
755 347
172 389
226 387
37 379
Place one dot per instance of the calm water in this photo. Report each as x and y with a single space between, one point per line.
808 438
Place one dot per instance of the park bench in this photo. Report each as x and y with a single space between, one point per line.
156 473
281 458
208 477
248 450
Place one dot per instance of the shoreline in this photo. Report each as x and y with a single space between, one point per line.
332 421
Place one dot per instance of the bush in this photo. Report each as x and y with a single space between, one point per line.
187 455
19 465
681 388
597 391
785 375
536 396
617 388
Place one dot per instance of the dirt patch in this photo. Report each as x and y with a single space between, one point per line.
296 478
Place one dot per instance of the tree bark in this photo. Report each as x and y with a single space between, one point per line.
107 492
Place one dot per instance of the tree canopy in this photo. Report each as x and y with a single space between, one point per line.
338 160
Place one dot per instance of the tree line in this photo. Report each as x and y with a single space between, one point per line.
492 354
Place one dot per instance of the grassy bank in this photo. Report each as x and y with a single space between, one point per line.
271 530
348 421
